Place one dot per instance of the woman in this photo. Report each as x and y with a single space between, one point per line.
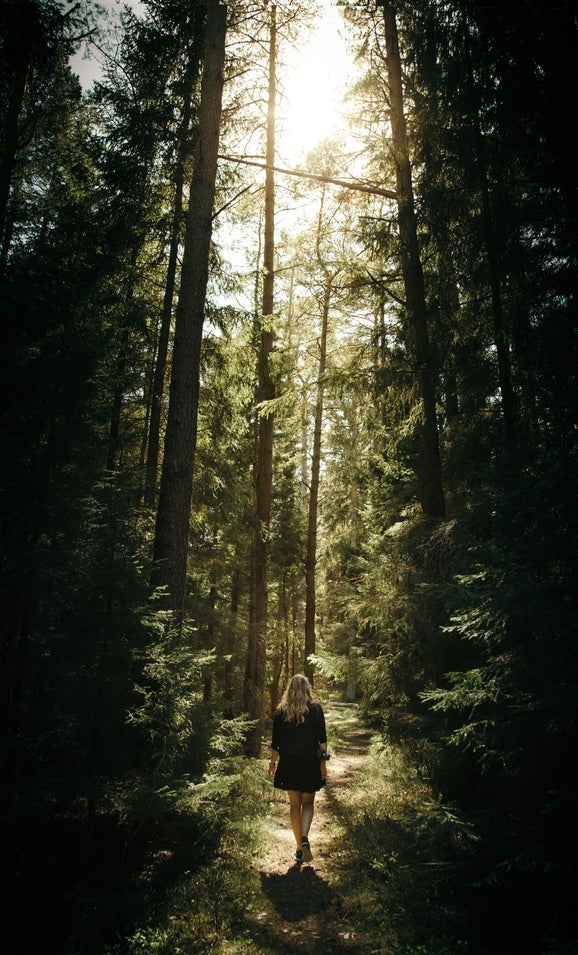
298 736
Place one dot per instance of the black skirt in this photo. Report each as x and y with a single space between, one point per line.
300 773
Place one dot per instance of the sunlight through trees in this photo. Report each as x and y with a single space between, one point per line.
288 298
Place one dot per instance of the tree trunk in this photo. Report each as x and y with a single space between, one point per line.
452 297
13 685
492 253
154 431
380 364
311 552
173 516
20 58
254 687
429 465
121 366
303 498
278 665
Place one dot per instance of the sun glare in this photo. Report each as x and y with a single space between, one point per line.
312 107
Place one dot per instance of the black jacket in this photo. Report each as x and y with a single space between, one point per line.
299 739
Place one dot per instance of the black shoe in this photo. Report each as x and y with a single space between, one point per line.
306 853
298 855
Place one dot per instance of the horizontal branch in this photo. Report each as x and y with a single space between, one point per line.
300 174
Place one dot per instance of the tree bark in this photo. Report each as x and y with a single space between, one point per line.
311 549
154 430
255 669
121 366
22 32
429 475
173 516
494 271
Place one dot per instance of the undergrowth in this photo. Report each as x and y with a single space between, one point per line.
207 903
398 860
396 856
404 857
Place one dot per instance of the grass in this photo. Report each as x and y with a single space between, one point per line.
403 859
207 905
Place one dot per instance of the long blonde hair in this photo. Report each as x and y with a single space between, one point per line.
296 698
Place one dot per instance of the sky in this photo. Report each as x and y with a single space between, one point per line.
86 67
311 109
314 88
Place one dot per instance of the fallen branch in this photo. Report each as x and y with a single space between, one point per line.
301 174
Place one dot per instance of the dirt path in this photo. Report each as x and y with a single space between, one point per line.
301 903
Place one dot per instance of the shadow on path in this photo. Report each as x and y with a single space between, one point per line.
298 894
307 916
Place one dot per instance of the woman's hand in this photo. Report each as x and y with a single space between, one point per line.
272 767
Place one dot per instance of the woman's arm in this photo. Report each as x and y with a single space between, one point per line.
322 741
275 743
323 762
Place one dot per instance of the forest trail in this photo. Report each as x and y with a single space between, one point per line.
301 906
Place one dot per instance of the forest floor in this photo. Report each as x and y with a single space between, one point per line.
302 904
393 870
378 877
386 862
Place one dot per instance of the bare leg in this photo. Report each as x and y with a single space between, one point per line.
295 814
307 807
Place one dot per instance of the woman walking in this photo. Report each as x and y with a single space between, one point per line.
299 743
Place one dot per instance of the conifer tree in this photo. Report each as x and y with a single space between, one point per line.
255 672
429 468
173 515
